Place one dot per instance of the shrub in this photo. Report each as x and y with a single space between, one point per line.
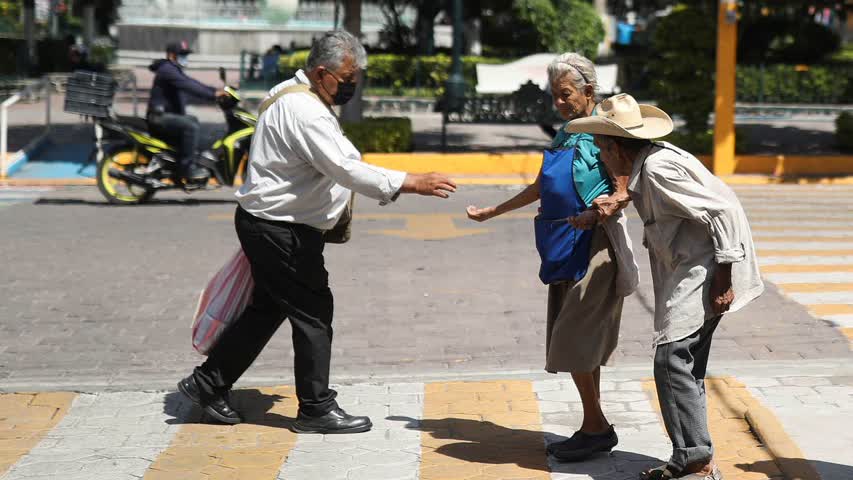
682 72
844 131
786 40
702 143
785 84
399 72
381 134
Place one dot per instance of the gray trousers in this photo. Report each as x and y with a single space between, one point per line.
680 381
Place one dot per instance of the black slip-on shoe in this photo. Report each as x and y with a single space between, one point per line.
218 408
336 421
583 445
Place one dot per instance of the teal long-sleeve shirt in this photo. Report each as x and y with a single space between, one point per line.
591 180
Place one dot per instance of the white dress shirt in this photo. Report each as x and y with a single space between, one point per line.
301 166
692 222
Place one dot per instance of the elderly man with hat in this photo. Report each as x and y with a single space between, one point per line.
702 260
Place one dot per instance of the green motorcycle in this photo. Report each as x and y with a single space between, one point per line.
132 165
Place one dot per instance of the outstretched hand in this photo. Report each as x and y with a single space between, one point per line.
429 184
480 214
585 221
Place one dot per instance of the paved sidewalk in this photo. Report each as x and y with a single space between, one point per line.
475 429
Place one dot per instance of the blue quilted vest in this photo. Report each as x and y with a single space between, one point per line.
564 250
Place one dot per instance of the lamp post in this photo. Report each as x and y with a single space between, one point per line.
724 102
454 89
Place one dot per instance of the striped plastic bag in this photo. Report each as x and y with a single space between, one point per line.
222 301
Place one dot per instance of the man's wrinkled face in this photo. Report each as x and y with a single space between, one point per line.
340 83
608 146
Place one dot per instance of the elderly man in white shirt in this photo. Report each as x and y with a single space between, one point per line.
301 173
702 260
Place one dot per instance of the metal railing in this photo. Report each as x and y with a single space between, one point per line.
7 162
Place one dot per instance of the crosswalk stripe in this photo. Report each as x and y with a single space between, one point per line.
393 445
797 228
814 298
255 448
805 253
26 418
816 287
815 245
832 309
816 278
109 435
823 261
842 321
811 238
806 268
482 430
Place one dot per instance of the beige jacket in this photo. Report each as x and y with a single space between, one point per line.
692 221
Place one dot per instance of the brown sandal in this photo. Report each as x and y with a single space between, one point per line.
664 473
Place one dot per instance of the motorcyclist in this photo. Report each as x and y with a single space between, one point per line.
167 117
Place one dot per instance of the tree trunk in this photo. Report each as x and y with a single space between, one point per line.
424 26
30 33
352 111
88 22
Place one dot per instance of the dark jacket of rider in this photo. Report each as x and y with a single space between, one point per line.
171 87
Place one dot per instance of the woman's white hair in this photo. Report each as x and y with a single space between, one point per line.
580 69
333 47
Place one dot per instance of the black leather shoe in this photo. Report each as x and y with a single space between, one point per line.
218 408
583 445
336 421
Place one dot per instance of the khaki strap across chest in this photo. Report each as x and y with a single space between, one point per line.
298 88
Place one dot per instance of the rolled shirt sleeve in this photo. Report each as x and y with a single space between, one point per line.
335 156
684 197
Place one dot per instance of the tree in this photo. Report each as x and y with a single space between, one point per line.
352 111
563 25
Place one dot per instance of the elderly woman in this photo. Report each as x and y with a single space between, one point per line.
702 259
583 316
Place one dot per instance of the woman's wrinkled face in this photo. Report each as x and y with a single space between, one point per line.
568 100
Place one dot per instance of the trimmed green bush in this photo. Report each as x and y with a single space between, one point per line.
381 134
844 131
563 25
702 143
785 84
402 72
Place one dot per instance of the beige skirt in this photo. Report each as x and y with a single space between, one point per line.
584 316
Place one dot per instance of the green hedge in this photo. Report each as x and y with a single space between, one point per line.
785 84
402 72
844 131
381 134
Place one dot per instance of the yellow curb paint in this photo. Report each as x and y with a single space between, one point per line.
255 449
804 253
848 332
806 268
831 309
815 287
786 453
25 418
804 239
526 163
482 430
738 453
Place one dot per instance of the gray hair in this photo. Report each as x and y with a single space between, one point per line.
333 47
579 68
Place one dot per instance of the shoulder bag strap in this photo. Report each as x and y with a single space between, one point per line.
298 88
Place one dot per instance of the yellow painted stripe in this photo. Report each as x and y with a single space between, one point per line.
255 449
737 451
816 287
804 253
806 268
25 418
804 239
482 430
831 309
848 332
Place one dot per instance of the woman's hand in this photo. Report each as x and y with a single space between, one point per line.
585 221
480 214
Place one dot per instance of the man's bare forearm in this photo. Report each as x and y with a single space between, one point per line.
619 199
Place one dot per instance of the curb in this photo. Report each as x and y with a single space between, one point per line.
786 453
764 424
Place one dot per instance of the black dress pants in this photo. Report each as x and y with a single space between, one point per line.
182 131
290 282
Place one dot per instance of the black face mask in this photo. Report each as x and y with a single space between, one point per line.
346 90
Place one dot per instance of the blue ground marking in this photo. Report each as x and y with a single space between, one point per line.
59 160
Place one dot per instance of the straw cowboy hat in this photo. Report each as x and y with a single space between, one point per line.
621 116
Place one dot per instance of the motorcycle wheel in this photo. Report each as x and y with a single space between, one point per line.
120 192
